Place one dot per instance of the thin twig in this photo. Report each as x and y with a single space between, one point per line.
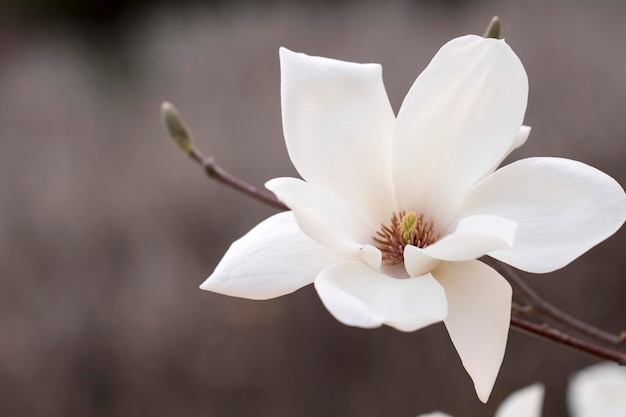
565 339
217 173
181 135
540 308
520 310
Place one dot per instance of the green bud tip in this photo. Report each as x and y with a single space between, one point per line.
494 30
176 127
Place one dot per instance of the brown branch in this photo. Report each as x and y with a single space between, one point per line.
559 337
540 308
217 173
181 135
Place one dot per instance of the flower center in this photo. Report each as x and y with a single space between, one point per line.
405 228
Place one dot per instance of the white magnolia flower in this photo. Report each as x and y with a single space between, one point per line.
394 211
598 391
526 402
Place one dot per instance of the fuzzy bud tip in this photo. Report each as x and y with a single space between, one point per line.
176 127
494 30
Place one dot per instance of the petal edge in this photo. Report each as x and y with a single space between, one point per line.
254 266
479 302
359 296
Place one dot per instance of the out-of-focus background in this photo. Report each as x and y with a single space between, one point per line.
106 230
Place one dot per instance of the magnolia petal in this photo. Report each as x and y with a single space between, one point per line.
461 116
479 311
359 296
372 256
474 236
322 215
598 391
337 122
417 262
526 402
273 259
520 139
563 208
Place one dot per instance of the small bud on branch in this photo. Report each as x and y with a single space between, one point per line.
176 127
494 30
179 133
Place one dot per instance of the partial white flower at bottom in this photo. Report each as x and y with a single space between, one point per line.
598 391
435 414
527 402
394 211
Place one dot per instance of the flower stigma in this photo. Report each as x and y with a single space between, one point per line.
405 228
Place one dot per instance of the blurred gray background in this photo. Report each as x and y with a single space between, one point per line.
106 230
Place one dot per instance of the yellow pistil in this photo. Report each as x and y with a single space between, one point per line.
408 224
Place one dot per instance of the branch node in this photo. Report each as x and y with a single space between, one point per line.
210 168
526 310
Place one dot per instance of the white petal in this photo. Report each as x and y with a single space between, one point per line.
359 296
322 215
520 139
479 312
474 237
417 262
337 122
372 256
598 391
526 402
273 259
562 207
458 120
